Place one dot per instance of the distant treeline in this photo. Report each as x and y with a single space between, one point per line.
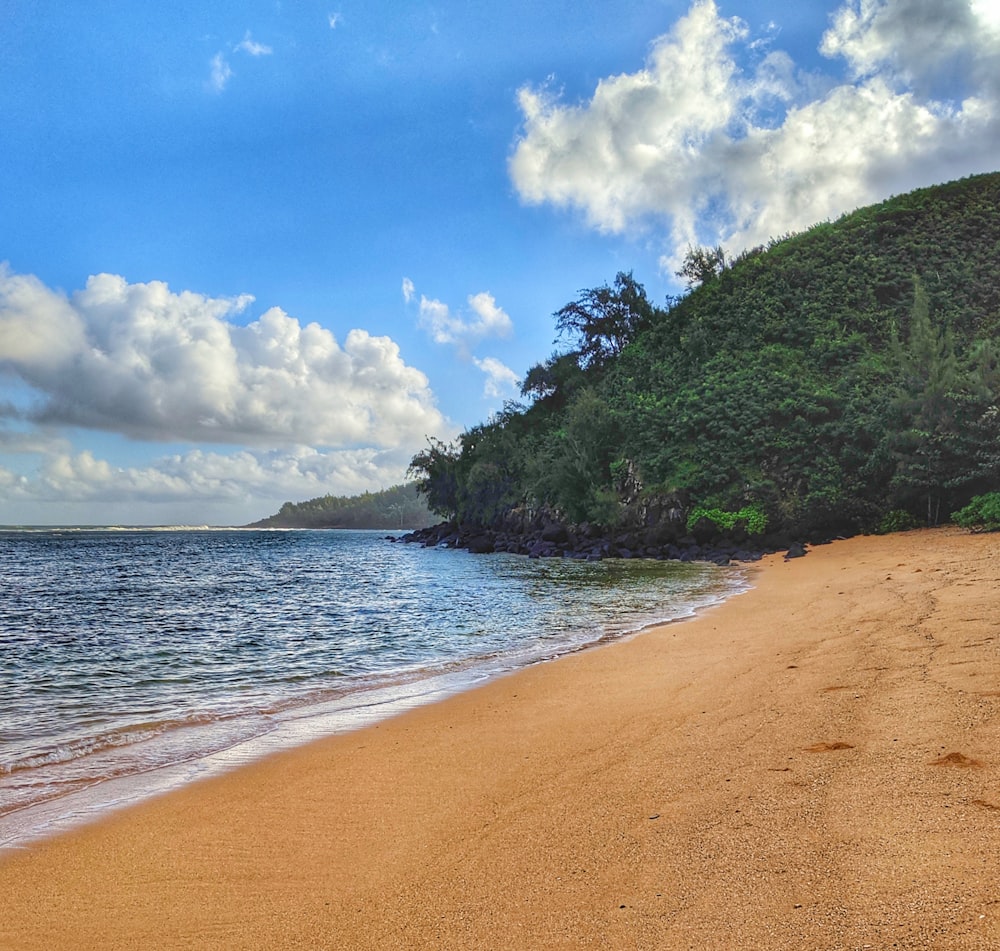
395 508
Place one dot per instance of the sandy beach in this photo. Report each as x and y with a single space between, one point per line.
813 764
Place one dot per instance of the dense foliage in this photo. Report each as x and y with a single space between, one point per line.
982 514
839 380
395 508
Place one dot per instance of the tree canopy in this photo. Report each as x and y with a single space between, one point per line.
604 320
398 507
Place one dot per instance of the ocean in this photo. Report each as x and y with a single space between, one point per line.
135 660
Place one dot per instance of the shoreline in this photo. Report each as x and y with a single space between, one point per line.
811 763
122 776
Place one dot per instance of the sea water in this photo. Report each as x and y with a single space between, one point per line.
135 660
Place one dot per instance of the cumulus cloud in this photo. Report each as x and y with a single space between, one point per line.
149 363
501 380
721 142
486 320
408 290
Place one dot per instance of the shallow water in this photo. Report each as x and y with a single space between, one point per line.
135 660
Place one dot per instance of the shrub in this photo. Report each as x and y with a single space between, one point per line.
753 517
898 520
982 514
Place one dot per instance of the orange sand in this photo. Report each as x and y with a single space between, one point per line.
814 764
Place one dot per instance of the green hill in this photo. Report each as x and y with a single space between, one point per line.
844 379
395 508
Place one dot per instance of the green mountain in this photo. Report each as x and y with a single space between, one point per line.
395 508
840 380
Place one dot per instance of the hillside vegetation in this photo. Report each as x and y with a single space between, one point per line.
840 380
395 508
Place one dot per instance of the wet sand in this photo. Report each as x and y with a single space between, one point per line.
813 764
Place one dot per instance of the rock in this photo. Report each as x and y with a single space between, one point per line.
554 532
482 544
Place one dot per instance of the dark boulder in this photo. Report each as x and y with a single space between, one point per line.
554 532
481 544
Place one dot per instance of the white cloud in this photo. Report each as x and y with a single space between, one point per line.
37 327
436 319
719 151
483 319
488 320
252 47
501 381
31 442
192 487
220 70
987 14
334 20
11 482
916 40
492 321
143 361
200 476
221 73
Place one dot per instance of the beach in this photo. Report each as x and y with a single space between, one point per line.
811 764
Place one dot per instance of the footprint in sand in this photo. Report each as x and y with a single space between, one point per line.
827 747
983 804
956 759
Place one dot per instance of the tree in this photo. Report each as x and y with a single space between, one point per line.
436 471
605 319
702 265
491 463
554 380
575 476
930 457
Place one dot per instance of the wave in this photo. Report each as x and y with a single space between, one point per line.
78 748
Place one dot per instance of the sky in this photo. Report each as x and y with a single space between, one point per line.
261 251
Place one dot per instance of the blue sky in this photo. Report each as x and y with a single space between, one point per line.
259 251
